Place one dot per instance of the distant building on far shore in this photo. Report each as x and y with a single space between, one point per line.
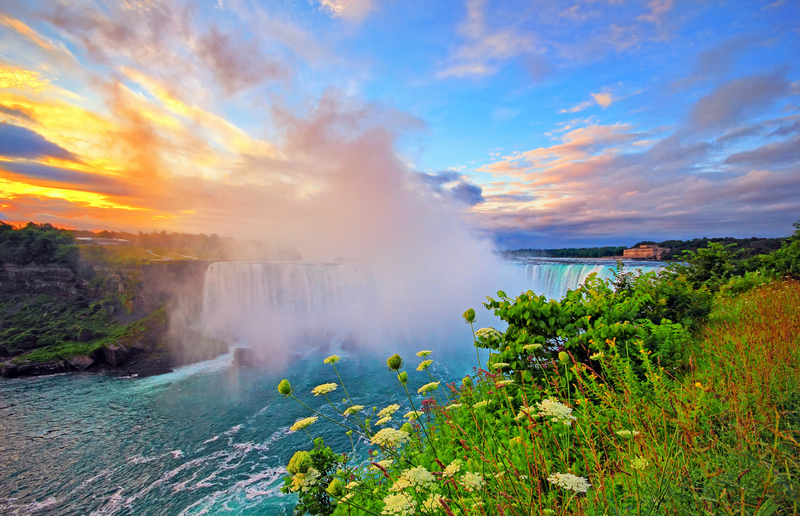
646 252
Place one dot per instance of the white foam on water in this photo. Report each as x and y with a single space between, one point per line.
10 508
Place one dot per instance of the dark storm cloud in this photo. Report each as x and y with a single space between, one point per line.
71 179
18 142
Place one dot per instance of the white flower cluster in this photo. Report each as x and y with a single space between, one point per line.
570 481
472 481
489 334
390 437
354 409
453 468
303 424
418 478
388 411
310 479
432 504
639 463
323 389
556 411
425 364
399 504
428 387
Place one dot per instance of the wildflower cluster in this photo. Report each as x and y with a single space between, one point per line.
325 388
390 437
569 481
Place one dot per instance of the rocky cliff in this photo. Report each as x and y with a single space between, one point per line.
52 280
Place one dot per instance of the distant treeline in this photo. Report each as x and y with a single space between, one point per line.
568 252
744 248
37 244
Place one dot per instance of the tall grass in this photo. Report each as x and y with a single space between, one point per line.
615 434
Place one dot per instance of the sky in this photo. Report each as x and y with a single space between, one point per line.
535 124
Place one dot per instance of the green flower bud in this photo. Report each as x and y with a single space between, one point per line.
299 463
403 377
394 362
469 316
336 488
563 356
467 381
285 387
407 428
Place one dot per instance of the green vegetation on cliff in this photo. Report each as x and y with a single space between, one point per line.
662 393
37 244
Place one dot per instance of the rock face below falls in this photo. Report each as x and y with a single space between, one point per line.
51 319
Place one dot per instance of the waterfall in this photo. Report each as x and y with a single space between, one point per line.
241 300
554 278
271 305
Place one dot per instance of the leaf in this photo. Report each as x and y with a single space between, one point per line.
768 508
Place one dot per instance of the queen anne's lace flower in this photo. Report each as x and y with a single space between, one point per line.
332 359
480 404
639 463
424 353
472 481
323 389
504 383
418 478
354 409
388 411
488 334
453 406
432 504
570 481
390 437
309 480
424 365
382 421
413 415
556 411
499 365
400 504
428 387
453 468
303 424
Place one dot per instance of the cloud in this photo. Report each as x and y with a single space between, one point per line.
538 67
67 178
355 10
172 43
658 9
735 100
18 142
237 63
18 112
780 152
459 188
601 99
484 48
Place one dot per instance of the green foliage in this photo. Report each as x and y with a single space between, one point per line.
311 476
712 266
570 252
40 321
786 260
634 311
37 244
